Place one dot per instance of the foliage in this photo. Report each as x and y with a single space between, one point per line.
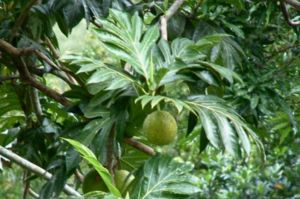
228 73
91 158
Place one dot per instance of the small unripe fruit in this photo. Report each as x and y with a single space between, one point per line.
93 182
123 179
160 128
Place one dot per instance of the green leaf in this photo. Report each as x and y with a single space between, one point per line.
123 36
132 158
207 77
108 77
176 26
224 72
254 101
149 39
239 4
234 29
209 41
209 127
219 122
203 140
227 53
89 156
243 137
99 194
192 121
222 125
137 22
165 50
154 100
228 135
162 177
11 112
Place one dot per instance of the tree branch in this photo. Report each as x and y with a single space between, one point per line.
164 19
52 48
36 103
7 78
79 175
21 66
26 75
34 168
294 3
69 73
63 76
26 184
287 15
33 193
43 57
140 146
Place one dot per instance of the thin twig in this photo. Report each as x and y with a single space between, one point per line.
287 15
173 9
164 27
5 46
70 75
7 78
43 57
33 168
33 193
52 48
27 184
140 146
63 76
169 13
36 104
79 175
97 24
26 75
294 3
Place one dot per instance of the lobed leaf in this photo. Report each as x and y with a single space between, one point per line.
162 177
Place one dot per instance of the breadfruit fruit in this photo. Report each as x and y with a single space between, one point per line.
122 180
93 182
160 128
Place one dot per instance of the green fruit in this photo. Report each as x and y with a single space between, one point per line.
122 180
93 182
160 128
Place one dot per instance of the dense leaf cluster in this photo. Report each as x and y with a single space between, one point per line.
228 73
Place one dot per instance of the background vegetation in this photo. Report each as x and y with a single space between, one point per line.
227 70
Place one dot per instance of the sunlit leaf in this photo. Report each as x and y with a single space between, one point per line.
162 177
89 156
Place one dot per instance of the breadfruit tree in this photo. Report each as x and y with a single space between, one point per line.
171 79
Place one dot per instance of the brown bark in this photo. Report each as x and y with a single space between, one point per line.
169 13
34 168
140 146
26 76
